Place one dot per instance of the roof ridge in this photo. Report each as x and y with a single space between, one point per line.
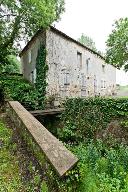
64 35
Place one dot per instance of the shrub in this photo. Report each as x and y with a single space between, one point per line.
84 118
18 89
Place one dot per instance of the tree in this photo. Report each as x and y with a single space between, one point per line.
13 66
117 45
21 19
87 41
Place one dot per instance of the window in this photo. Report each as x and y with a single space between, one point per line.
83 93
79 59
87 65
30 56
83 80
33 76
103 84
95 83
66 78
103 68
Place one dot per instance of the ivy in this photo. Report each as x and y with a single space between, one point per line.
41 70
84 118
14 87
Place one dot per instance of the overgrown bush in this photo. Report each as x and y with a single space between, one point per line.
30 95
101 168
1 94
18 89
84 118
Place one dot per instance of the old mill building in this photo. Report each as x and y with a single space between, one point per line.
74 69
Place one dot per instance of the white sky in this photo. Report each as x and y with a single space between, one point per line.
93 18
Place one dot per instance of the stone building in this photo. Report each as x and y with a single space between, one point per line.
74 69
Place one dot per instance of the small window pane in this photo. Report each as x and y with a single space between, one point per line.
66 79
102 82
83 80
103 68
79 59
30 56
87 65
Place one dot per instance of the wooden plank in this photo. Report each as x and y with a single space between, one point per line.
57 154
47 112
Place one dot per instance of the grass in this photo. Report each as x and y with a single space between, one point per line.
10 179
124 88
17 172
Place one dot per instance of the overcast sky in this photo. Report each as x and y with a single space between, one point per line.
93 18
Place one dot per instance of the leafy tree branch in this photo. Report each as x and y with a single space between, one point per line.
117 45
21 19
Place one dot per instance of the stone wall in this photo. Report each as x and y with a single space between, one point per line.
67 57
32 131
74 71
28 58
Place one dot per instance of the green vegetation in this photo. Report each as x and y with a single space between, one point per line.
16 88
96 130
13 66
9 169
87 41
13 170
117 44
103 154
84 118
20 20
41 70
102 168
123 88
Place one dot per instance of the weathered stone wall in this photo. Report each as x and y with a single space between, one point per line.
56 153
68 74
28 67
63 58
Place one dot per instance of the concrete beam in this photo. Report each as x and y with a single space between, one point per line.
58 155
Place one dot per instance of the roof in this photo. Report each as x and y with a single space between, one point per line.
62 34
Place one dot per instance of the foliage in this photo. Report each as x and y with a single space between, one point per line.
84 118
117 44
41 70
18 89
102 168
9 170
99 169
2 99
19 20
87 41
14 66
12 176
